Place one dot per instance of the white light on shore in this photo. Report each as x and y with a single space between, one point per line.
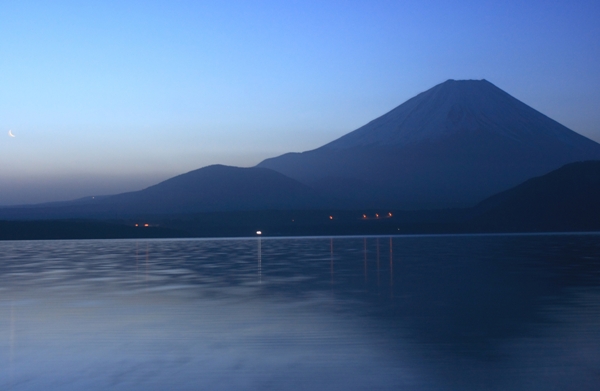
258 233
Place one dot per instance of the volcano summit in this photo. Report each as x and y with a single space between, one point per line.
452 145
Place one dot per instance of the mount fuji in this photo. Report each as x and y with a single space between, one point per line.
450 146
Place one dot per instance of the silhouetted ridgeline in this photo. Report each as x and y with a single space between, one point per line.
209 189
563 200
450 146
567 199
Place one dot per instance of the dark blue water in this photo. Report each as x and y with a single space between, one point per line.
376 313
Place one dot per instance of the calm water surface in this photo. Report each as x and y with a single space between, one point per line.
515 312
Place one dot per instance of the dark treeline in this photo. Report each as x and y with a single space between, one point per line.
73 229
285 223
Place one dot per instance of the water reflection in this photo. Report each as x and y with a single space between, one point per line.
391 269
365 262
377 241
146 264
331 258
259 260
441 313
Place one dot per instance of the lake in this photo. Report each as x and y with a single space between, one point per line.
464 312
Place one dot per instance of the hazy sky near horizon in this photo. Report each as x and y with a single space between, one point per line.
112 96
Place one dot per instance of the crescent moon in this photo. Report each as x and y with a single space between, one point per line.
10 133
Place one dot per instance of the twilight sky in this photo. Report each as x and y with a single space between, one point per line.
117 95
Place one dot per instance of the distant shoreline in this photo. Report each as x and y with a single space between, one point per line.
272 224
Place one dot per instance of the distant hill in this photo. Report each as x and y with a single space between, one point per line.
567 199
209 189
563 200
450 146
220 188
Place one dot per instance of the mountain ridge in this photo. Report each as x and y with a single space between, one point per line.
208 189
450 146
561 201
460 102
564 199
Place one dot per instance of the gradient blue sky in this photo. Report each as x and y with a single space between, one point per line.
111 96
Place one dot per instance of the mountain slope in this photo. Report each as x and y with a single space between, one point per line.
563 200
453 145
209 189
218 187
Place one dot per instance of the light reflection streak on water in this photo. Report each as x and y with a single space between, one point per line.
378 271
136 260
365 261
331 258
259 260
391 269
